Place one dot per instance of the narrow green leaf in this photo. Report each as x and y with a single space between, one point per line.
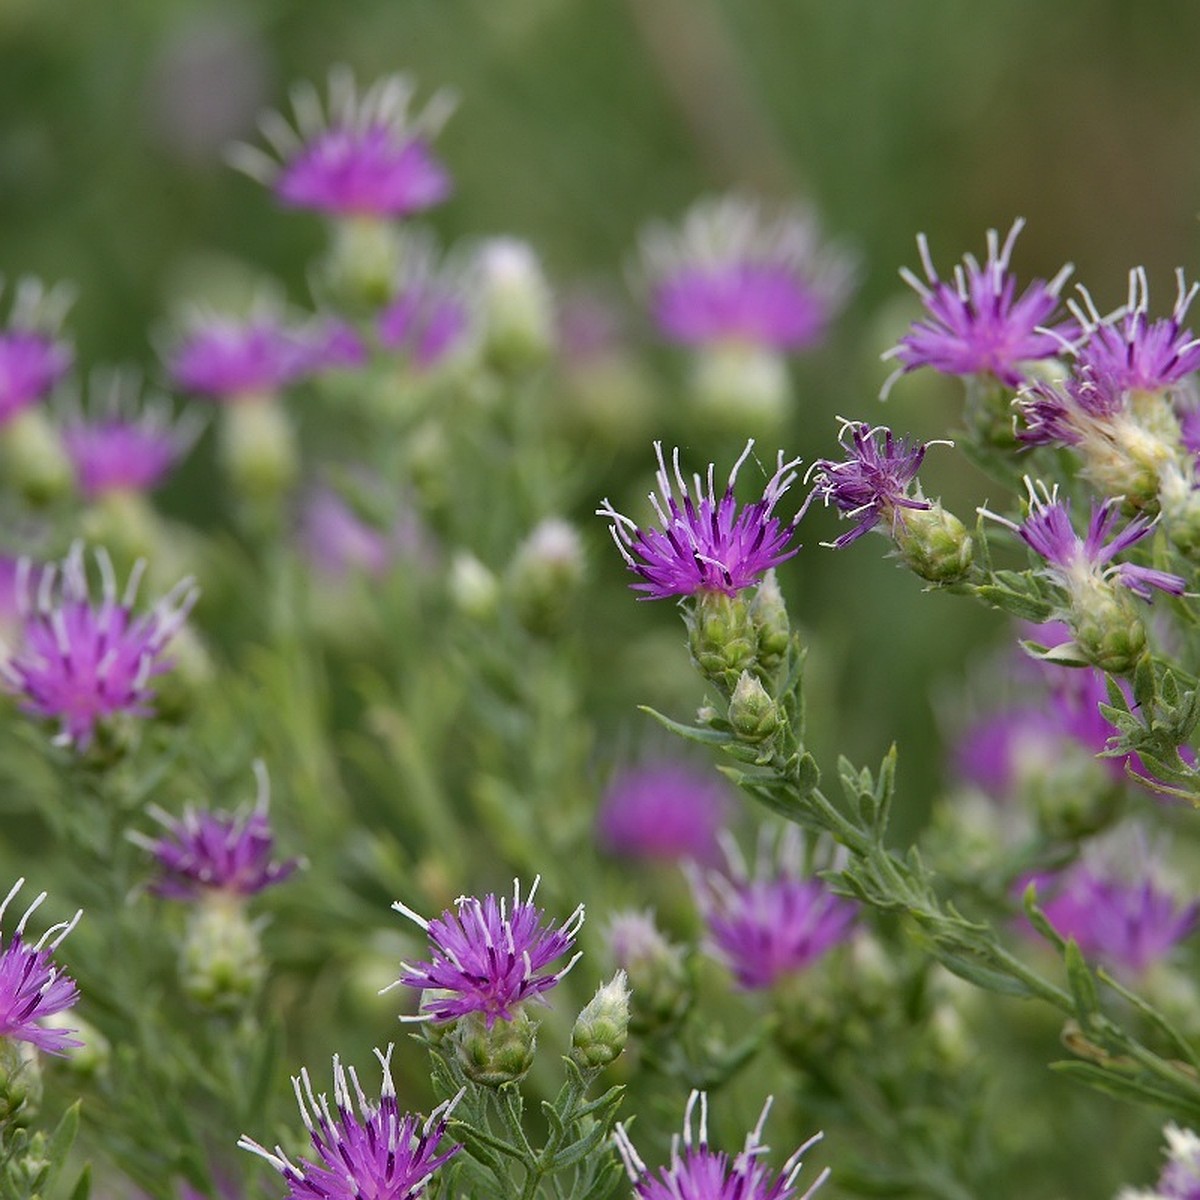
693 733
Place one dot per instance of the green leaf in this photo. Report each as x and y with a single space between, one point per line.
63 1139
1083 986
693 733
1127 1088
83 1185
973 971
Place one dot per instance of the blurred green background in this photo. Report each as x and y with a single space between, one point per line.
580 121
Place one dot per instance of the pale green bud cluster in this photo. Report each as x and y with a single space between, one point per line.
257 447
1108 631
502 1054
722 637
752 713
602 1028
33 458
364 259
517 306
221 965
934 544
545 576
735 385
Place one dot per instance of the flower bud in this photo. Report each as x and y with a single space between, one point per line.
124 522
1108 631
736 384
517 306
20 1081
602 1028
769 614
474 590
752 712
502 1054
545 574
33 458
1179 500
722 637
360 269
221 966
934 543
258 447
655 969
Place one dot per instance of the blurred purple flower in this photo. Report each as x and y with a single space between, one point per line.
1180 1178
226 358
705 544
32 358
486 959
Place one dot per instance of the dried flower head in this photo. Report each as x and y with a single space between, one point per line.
32 358
487 959
31 986
705 544
360 154
372 1152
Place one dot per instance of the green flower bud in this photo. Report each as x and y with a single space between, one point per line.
502 1054
602 1028
722 637
769 614
934 544
360 269
1180 505
517 306
655 969
221 965
1108 630
545 575
736 384
33 458
474 590
257 446
20 1081
752 713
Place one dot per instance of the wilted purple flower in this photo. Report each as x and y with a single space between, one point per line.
31 986
872 484
977 325
1130 351
486 959
1115 906
374 1152
1180 1178
206 852
772 924
663 809
80 661
225 358
125 442
32 359
697 1172
1075 562
705 544
361 155
733 274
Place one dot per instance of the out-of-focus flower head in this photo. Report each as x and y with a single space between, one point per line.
488 958
775 922
697 1172
665 809
338 540
373 1152
31 986
1180 1178
360 154
33 358
734 273
705 544
976 324
208 852
82 661
125 440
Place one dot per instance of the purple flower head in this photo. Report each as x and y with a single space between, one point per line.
487 959
361 155
338 541
1132 352
1116 907
335 346
664 809
207 852
1180 1178
1075 562
31 986
32 359
125 442
372 1152
633 937
82 661
871 485
772 924
976 325
705 544
733 274
697 1172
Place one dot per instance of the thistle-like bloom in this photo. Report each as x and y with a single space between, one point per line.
977 325
429 318
662 809
775 922
32 359
1180 1178
871 485
360 155
486 959
697 1172
733 274
1132 352
372 1152
125 442
705 544
31 986
82 661
1077 563
206 852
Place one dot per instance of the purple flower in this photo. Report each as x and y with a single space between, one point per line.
772 924
1132 352
360 156
1075 562
338 542
205 852
126 443
374 1152
872 484
80 661
429 318
1180 1178
977 325
662 809
223 358
734 274
32 359
335 346
705 544
697 1172
31 986
486 959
